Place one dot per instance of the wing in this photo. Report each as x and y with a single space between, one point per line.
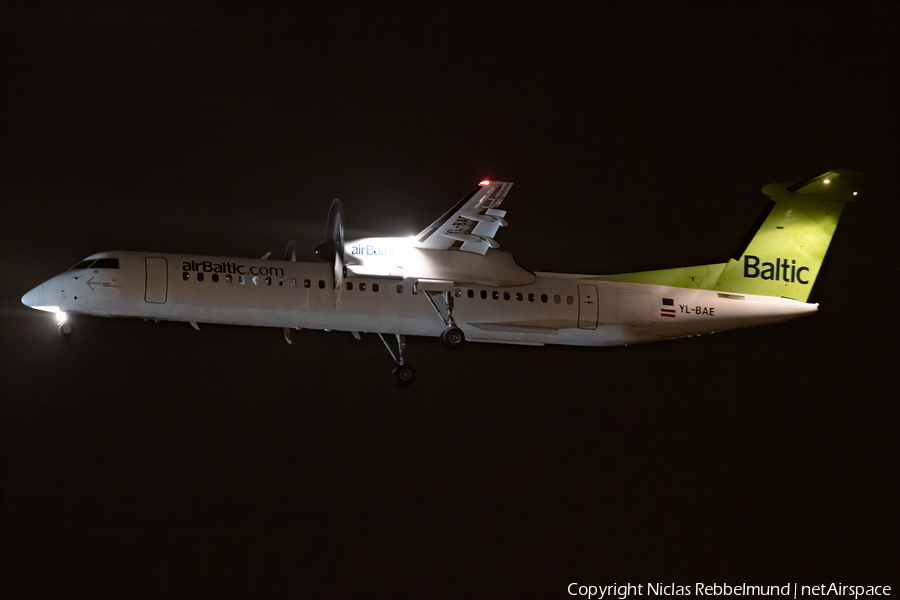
471 224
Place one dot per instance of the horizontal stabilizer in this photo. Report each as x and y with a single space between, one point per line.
833 185
783 256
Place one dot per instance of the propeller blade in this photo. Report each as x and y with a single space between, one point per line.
290 253
335 236
338 278
335 227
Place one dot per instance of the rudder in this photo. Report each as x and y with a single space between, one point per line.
783 256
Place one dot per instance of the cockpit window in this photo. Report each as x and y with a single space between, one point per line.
106 263
83 264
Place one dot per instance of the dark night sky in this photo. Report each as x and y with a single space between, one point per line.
151 460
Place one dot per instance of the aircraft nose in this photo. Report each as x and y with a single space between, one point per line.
33 297
43 297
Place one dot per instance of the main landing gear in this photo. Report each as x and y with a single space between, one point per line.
452 337
403 373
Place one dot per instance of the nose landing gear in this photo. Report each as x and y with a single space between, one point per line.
63 327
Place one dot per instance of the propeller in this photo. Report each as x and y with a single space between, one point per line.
333 249
290 253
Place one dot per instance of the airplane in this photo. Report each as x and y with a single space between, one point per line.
451 281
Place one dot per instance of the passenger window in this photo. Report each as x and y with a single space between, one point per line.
495 295
228 278
199 276
470 293
185 275
255 280
215 277
506 295
362 287
483 294
349 285
306 283
556 299
241 280
321 284
531 297
268 281
543 297
280 283
519 296
569 299
399 289
374 287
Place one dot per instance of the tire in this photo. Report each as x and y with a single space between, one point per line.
453 338
403 375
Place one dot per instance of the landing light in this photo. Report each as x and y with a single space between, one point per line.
827 181
854 193
60 317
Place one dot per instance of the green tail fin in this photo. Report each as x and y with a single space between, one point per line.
783 256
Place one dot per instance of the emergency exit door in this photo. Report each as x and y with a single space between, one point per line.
587 306
157 280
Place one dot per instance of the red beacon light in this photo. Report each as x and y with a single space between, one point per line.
485 182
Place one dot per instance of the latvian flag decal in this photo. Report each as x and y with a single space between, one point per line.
668 308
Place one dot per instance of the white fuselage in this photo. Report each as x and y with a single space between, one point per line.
556 308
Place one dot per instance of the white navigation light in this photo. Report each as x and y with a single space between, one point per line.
60 317
485 182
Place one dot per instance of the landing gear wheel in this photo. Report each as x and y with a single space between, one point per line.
65 329
403 375
453 338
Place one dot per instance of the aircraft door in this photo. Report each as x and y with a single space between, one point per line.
587 306
157 280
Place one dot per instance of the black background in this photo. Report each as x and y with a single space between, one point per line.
151 460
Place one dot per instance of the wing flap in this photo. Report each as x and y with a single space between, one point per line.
473 221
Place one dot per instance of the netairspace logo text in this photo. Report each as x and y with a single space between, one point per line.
791 590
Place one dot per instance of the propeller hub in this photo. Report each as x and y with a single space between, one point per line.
325 251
